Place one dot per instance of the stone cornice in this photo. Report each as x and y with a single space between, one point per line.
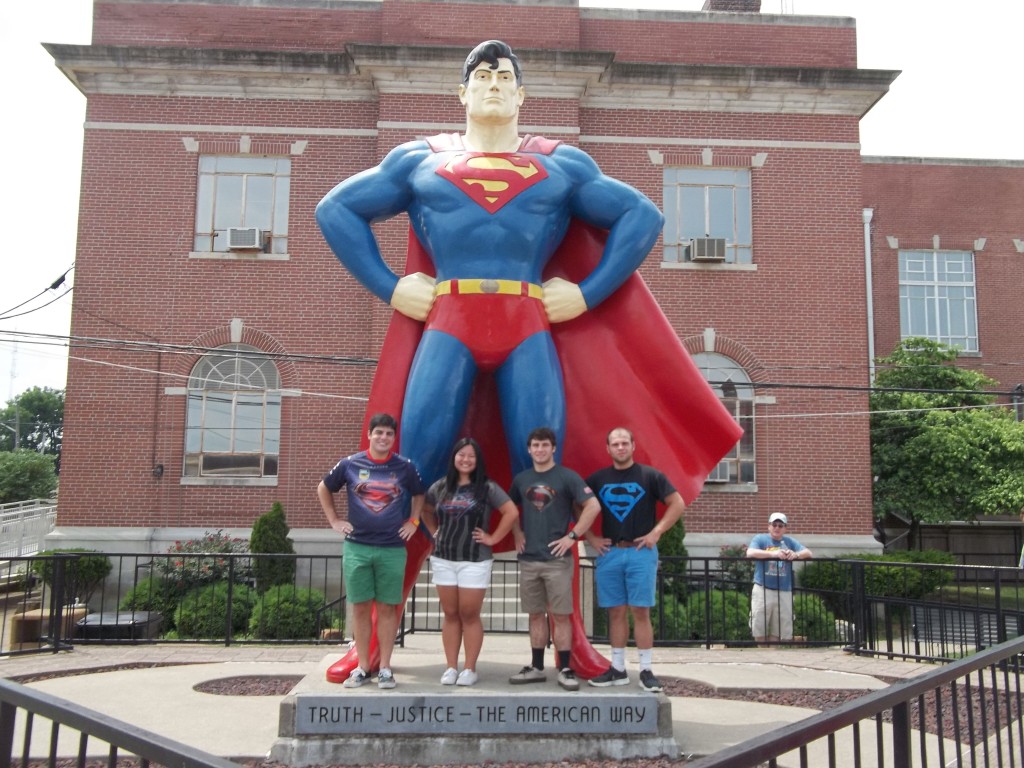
363 72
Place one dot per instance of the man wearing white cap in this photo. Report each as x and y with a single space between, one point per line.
771 602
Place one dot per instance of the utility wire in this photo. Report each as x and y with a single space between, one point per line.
52 287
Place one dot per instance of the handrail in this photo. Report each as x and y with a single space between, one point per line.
145 744
769 746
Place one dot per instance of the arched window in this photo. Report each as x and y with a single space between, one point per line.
233 424
733 386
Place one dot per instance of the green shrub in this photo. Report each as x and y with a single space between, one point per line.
730 616
670 619
812 618
270 537
672 567
202 613
184 570
286 613
738 574
834 580
156 595
83 572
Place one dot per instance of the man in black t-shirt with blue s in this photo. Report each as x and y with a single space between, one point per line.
627 563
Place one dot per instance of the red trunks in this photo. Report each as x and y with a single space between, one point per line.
491 325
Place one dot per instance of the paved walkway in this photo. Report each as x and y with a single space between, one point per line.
161 699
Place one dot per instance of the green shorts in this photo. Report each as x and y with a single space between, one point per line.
373 573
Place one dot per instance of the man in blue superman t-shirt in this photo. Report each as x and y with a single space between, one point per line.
385 497
627 565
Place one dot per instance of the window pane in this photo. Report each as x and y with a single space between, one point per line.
249 423
217 422
259 202
272 433
232 464
722 213
204 204
228 211
692 212
247 164
281 206
270 466
194 422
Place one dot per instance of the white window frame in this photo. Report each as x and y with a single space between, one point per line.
702 202
233 418
734 388
938 297
242 191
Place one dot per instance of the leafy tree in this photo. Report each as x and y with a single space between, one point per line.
26 475
37 415
941 455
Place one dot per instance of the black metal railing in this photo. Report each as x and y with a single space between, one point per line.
27 712
899 610
968 712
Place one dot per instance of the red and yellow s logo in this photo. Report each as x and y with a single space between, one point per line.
491 181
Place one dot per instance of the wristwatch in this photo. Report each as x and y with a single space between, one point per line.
572 535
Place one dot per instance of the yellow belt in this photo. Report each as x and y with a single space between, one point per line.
489 285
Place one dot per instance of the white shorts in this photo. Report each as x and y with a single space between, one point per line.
460 573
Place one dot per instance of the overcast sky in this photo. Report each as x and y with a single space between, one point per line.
959 95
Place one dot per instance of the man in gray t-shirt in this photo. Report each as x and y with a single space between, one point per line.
548 494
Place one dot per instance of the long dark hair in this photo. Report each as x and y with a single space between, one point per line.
477 478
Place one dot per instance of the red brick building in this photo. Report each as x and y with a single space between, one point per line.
222 356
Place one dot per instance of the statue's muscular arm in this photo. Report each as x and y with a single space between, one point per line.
632 220
345 216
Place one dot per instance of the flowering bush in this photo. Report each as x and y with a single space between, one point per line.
206 560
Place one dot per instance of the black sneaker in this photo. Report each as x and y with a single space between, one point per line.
610 676
649 682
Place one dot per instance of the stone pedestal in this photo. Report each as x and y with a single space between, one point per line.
423 722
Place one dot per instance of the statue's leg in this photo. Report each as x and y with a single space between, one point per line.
436 398
532 395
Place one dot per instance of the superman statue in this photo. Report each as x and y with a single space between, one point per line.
519 306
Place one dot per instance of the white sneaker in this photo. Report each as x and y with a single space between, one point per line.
467 677
450 676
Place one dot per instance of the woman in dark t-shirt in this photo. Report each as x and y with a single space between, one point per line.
457 511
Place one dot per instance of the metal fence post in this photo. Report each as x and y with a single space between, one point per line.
231 600
901 742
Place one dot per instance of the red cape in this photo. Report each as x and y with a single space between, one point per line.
623 365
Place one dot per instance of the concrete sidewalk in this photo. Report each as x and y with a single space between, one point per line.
162 699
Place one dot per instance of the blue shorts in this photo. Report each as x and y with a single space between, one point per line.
627 577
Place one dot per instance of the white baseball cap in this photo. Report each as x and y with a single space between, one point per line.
779 517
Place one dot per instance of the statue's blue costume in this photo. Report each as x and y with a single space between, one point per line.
491 228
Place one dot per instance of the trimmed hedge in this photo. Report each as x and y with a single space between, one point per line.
203 612
286 613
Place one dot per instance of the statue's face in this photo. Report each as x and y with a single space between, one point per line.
492 94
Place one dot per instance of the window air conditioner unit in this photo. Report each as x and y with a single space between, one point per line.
707 249
245 239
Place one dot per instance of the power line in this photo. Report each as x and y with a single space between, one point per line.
6 314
